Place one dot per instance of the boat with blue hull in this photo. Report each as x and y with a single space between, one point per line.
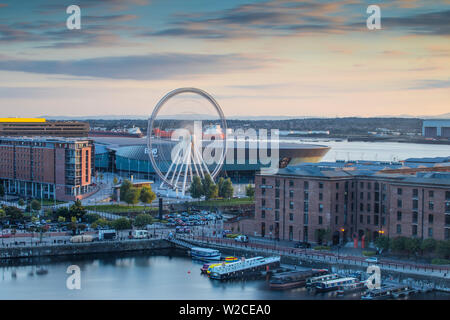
205 254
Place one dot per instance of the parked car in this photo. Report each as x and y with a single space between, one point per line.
140 234
372 260
81 238
225 233
302 245
241 238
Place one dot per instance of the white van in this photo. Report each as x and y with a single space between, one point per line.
82 238
241 238
140 234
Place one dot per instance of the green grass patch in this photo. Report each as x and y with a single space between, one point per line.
48 202
322 248
120 208
223 202
232 235
440 261
368 253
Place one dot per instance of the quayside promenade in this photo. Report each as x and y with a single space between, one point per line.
426 274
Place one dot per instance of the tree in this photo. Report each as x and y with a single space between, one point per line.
443 249
14 213
142 220
429 245
126 185
398 244
101 222
147 195
61 219
35 205
132 195
210 189
225 188
121 224
21 202
412 245
62 212
382 242
322 235
115 181
92 217
249 191
77 210
196 188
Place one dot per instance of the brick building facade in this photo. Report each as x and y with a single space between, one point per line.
47 168
297 202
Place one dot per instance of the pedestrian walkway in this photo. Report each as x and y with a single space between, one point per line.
330 257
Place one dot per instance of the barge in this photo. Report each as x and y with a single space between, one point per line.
205 254
387 292
335 284
244 268
294 279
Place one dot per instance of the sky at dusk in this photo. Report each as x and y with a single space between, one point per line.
257 58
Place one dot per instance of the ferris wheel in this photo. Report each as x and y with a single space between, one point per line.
177 141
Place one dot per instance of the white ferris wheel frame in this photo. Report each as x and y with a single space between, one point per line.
191 160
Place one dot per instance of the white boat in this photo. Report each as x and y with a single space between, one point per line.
312 282
335 284
205 254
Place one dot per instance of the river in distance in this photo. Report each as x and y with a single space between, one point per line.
160 276
381 151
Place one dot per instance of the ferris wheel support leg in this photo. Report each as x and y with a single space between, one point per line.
181 168
170 167
202 162
188 167
195 157
181 160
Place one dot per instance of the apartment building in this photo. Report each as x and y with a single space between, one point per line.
47 167
352 201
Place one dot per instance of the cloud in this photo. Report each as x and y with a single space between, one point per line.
109 18
432 23
145 67
10 35
258 19
430 84
111 5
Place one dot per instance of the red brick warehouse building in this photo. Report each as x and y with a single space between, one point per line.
47 167
352 200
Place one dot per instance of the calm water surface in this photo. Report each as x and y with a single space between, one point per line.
382 151
140 276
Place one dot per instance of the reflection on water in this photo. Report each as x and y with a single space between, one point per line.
140 276
381 151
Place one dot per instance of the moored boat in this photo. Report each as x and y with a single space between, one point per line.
386 292
205 254
334 284
206 268
230 259
294 279
357 286
311 282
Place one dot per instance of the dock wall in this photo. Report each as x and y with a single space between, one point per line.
7 255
